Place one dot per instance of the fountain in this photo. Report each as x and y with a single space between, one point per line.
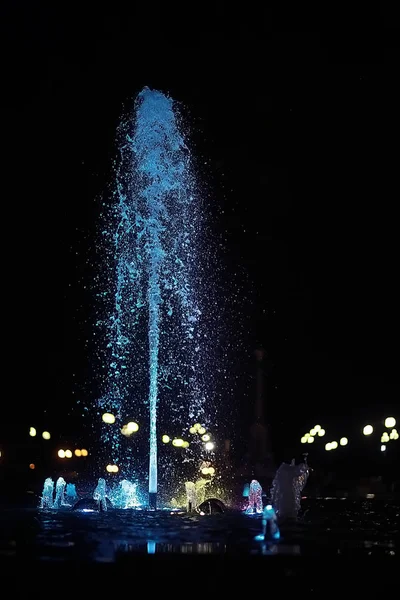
154 259
71 497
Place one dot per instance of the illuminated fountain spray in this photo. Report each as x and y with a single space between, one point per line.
158 274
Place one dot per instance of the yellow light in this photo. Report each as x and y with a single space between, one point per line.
110 468
205 437
32 431
306 435
317 428
344 441
165 439
310 440
211 470
201 430
209 446
61 453
196 426
84 452
383 448
205 470
328 446
32 466
108 418
313 432
115 469
334 445
390 422
193 430
385 437
185 445
304 440
321 432
68 454
46 435
368 429
132 427
78 453
177 442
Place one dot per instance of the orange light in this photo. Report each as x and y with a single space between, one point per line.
32 466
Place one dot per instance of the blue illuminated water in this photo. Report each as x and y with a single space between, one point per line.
157 290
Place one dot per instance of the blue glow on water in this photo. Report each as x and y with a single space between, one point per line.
161 279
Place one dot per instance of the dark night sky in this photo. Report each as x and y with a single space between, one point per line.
300 131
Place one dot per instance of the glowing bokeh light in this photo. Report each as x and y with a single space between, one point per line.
205 437
313 432
334 445
390 422
32 466
68 454
201 430
177 442
317 428
112 469
304 440
385 437
78 452
209 446
368 429
132 427
108 418
196 426
328 446
84 452
343 441
383 448
211 470
32 431
193 430
310 440
46 435
185 445
165 439
321 432
61 453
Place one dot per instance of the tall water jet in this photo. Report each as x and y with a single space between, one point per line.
161 283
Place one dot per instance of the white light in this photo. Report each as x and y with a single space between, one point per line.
68 454
177 442
383 448
390 422
61 453
368 429
209 446
317 428
344 441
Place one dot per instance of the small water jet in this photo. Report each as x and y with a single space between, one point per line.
255 503
46 500
286 489
60 489
125 495
71 497
99 494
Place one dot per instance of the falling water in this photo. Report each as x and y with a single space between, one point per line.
159 266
